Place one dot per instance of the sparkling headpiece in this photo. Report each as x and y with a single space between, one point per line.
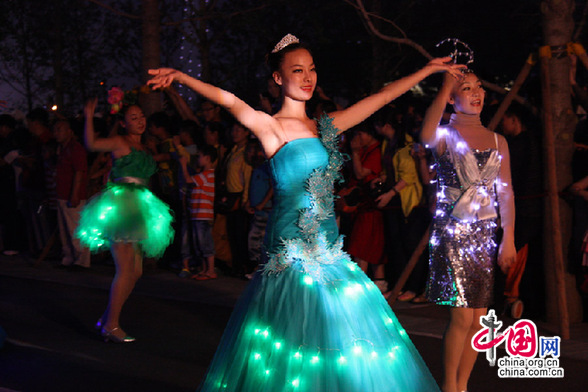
457 52
287 40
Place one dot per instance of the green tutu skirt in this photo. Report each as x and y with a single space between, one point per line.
126 213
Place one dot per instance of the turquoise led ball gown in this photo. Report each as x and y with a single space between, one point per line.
311 320
126 210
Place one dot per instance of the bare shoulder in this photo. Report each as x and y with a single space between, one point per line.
295 128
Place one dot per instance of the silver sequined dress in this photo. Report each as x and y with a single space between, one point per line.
463 244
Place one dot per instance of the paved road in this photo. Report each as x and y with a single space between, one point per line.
48 315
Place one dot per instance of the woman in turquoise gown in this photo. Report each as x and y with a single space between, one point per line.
125 216
310 320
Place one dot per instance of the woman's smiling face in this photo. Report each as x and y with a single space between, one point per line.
468 95
297 75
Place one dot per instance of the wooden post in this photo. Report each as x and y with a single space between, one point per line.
409 267
552 194
581 53
512 93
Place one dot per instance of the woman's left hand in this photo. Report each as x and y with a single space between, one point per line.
162 77
507 254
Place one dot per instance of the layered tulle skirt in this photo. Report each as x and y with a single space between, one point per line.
292 332
125 212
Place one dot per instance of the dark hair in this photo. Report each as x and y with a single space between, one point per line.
40 115
255 146
125 108
275 60
389 115
8 121
209 151
367 128
216 127
160 120
63 120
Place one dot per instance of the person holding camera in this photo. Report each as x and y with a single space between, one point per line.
366 241
405 212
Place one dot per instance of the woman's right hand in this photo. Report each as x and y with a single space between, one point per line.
383 200
445 64
90 107
162 77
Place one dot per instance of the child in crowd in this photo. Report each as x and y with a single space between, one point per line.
201 208
259 203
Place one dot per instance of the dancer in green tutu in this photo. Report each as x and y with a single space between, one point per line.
125 217
310 320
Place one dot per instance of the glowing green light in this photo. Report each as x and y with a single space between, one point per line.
265 333
353 289
314 359
257 356
357 350
389 320
342 360
298 355
352 266
257 331
296 383
374 354
402 332
102 217
267 372
278 345
308 280
391 355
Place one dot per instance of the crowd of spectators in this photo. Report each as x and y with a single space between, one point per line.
213 174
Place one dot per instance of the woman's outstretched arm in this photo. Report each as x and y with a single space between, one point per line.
101 144
358 112
435 112
257 121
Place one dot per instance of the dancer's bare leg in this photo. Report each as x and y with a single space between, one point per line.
469 355
454 341
128 263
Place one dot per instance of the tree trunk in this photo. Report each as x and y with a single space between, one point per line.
151 29
558 27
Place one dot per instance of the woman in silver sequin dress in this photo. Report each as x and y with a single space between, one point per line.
474 188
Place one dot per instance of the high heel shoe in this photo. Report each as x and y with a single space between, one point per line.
110 336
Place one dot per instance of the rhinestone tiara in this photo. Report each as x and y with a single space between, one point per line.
287 40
